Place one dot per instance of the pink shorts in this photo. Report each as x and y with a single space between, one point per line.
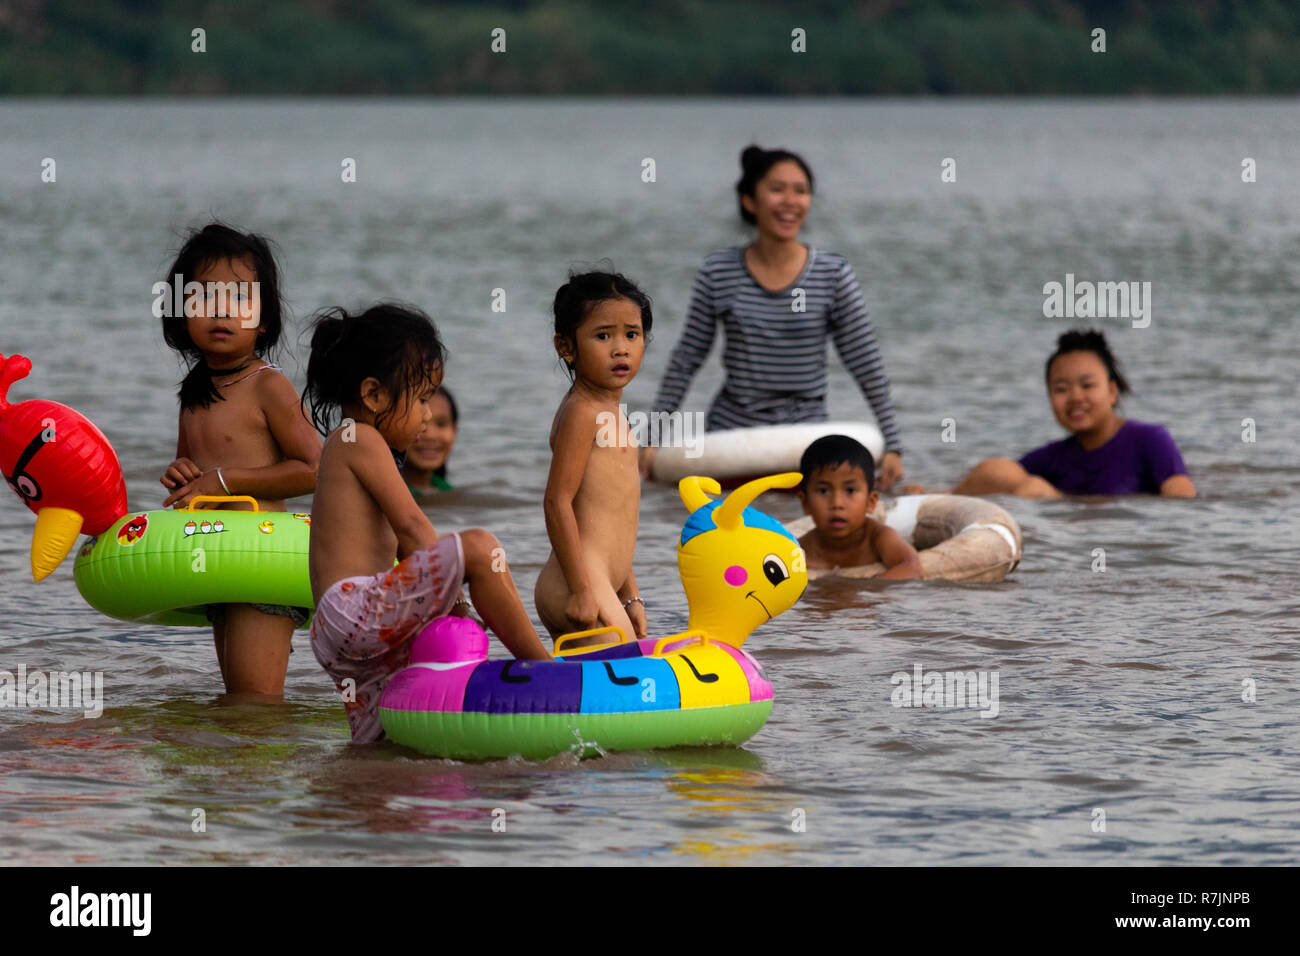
364 626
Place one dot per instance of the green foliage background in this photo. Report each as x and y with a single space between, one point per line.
661 47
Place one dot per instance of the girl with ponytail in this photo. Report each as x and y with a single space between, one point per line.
379 571
241 432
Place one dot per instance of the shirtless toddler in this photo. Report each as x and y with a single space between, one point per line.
593 491
241 429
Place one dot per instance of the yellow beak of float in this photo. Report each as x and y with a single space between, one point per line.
56 532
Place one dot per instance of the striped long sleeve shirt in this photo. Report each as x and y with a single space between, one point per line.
775 344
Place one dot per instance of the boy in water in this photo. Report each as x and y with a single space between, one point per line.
839 491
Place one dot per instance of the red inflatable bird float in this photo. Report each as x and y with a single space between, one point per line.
62 467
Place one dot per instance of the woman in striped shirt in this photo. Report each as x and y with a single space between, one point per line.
778 300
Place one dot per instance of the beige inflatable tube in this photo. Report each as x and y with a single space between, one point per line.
959 538
737 453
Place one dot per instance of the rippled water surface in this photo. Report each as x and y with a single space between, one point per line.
1120 691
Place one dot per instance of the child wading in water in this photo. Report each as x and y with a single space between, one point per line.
593 492
241 430
839 491
381 369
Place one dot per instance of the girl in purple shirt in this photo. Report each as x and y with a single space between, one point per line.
1104 455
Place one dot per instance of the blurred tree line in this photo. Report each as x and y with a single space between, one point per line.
658 47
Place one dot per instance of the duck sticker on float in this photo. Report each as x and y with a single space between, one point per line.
133 530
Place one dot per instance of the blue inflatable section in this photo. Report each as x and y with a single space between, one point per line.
628 685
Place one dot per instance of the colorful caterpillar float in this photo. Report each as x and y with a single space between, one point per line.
739 569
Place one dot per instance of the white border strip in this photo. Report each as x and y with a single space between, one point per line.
1000 529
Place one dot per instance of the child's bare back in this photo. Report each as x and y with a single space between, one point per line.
350 533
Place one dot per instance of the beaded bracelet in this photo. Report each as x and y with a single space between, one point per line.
633 600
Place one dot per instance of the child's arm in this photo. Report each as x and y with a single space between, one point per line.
899 558
635 610
1178 486
371 461
574 434
181 471
291 431
812 556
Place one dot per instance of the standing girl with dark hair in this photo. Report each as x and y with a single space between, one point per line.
593 491
778 301
1104 455
241 428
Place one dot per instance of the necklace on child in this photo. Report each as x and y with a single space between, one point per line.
232 371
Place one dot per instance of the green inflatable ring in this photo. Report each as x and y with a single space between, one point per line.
165 567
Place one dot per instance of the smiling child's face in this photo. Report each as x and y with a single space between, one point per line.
1082 394
226 330
610 345
433 445
838 500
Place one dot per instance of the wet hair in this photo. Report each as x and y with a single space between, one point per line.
217 242
755 162
441 470
576 298
1088 340
831 451
396 344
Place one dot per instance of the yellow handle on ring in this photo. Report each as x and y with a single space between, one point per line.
197 498
622 639
686 636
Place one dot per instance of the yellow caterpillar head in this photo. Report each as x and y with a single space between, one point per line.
739 567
